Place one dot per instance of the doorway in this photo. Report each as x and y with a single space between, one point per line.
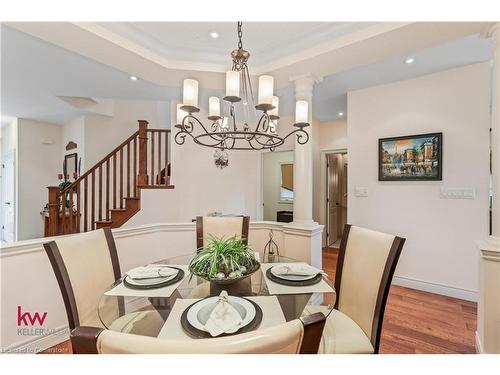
8 234
336 197
277 186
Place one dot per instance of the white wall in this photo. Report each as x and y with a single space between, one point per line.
38 166
9 144
439 254
333 135
74 131
103 133
201 188
271 169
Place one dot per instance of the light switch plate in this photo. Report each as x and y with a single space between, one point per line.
454 193
46 141
360 192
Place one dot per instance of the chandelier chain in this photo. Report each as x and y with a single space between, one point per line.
240 34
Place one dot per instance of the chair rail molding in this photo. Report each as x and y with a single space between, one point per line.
488 307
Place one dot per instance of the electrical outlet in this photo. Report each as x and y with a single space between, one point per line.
453 193
360 192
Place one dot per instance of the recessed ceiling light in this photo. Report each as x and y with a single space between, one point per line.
213 34
341 114
409 60
133 78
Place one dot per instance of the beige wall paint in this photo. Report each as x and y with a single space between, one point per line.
38 166
9 144
74 131
439 254
103 133
271 172
333 135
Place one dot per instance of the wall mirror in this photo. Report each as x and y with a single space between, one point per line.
71 165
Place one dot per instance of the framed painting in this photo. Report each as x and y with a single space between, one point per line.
411 158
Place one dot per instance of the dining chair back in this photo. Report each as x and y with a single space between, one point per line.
299 336
85 265
227 226
365 267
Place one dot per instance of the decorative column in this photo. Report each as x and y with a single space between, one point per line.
302 237
303 159
488 307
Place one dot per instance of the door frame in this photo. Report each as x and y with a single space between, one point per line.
9 154
324 188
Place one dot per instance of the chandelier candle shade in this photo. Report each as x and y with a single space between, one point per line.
232 86
180 114
301 113
213 108
273 113
224 133
266 84
190 97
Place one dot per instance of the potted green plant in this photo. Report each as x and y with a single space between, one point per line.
224 260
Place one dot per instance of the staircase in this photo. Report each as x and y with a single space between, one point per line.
109 193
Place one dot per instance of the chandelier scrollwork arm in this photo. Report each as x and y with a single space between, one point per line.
223 133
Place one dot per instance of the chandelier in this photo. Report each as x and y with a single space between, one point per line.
223 132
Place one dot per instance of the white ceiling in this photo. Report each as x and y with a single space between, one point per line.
35 73
266 41
330 96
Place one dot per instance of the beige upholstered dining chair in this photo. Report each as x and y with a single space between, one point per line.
365 266
85 266
299 336
227 226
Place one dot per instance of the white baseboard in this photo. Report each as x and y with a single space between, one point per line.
426 286
38 344
479 345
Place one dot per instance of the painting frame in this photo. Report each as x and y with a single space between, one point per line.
383 176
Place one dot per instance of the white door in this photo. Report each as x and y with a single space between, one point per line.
8 198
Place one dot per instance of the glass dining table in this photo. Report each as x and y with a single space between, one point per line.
292 306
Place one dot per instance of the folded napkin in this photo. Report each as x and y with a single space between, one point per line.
149 272
299 269
224 318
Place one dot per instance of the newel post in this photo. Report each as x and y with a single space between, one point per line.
142 177
53 219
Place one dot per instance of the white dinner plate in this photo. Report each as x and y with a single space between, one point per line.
292 277
199 312
151 281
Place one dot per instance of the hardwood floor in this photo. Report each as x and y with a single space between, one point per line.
414 322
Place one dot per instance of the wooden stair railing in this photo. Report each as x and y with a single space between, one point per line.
108 194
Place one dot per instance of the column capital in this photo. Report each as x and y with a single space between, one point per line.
304 85
494 31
